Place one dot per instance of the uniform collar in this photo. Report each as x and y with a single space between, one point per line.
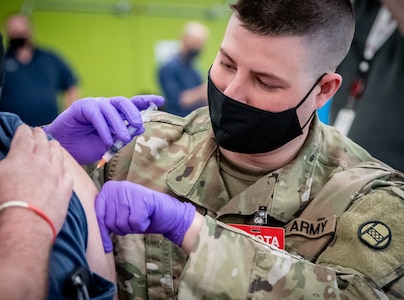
284 191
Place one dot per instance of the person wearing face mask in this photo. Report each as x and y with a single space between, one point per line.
51 245
179 78
34 77
253 197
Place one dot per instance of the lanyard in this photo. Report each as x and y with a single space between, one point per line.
382 28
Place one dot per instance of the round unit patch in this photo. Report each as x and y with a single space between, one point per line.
375 234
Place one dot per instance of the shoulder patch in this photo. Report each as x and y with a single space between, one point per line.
375 234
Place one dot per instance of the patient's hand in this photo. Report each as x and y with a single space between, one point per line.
34 171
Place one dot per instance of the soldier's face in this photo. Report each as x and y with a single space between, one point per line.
266 72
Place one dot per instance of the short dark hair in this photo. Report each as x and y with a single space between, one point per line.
327 26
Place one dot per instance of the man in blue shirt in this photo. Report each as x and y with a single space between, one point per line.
180 81
34 77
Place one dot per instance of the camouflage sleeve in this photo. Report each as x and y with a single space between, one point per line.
369 240
229 264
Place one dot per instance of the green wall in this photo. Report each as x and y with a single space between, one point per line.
113 54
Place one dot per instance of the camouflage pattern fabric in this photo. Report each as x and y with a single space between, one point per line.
341 210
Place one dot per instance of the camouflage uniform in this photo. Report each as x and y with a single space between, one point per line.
341 210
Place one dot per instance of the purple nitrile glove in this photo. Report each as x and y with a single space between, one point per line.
124 207
91 125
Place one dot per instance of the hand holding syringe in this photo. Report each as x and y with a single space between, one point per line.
119 144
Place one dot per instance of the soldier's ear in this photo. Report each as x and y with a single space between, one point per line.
329 84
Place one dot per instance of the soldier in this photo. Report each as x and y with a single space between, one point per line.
257 159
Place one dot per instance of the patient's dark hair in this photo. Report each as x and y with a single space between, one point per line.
327 26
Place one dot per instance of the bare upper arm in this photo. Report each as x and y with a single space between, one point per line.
99 262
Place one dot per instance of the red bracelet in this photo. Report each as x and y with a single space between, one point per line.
36 210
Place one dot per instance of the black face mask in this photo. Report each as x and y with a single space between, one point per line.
241 128
17 43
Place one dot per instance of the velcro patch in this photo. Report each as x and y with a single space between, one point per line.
375 234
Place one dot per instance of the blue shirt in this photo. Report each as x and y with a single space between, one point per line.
30 90
175 77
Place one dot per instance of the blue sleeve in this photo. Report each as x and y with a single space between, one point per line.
8 125
66 77
169 84
69 254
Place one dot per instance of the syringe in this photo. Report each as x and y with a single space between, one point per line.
119 144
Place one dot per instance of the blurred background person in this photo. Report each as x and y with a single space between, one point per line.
180 81
369 105
34 77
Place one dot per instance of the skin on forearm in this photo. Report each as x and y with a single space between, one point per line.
196 95
71 95
24 254
99 262
192 233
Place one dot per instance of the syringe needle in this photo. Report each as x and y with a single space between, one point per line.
119 144
91 174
